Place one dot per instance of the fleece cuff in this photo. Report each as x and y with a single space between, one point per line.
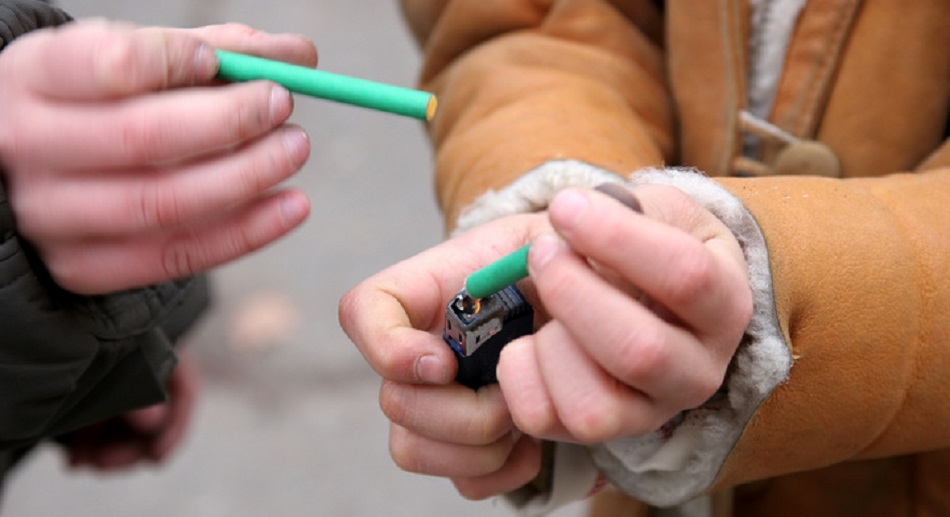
574 478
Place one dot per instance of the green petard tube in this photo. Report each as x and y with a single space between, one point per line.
499 274
326 85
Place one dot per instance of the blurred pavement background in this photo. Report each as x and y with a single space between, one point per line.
288 422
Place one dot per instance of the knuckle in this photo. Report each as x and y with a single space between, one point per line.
253 176
239 30
31 209
159 208
592 421
178 258
250 115
9 141
495 456
118 63
392 402
645 361
490 426
23 135
348 311
58 267
65 270
535 419
554 282
470 489
694 393
675 197
694 275
704 386
642 355
387 360
140 140
241 240
403 455
181 62
743 312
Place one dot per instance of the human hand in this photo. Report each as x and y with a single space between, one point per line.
662 299
149 434
128 164
439 427
646 313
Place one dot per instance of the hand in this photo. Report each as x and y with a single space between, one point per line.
128 164
149 434
660 301
439 427
646 313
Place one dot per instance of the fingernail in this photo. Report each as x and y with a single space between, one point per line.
542 250
622 194
430 370
281 104
568 207
297 145
206 63
294 209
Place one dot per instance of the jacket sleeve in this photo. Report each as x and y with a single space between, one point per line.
18 17
859 268
67 360
511 75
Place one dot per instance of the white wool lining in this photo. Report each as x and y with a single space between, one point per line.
773 22
666 472
575 476
771 30
532 192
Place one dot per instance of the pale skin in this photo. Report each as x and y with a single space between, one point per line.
127 164
639 316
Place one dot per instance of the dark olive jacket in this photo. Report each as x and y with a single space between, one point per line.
67 360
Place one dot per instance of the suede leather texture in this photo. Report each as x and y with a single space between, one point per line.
859 262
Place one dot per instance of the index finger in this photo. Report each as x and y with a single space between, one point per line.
101 59
288 47
91 60
678 254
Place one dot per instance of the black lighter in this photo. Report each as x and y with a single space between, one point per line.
477 330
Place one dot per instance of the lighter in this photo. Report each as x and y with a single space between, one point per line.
478 328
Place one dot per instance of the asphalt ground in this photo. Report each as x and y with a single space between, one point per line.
288 422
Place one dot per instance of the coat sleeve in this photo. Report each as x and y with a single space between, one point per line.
18 17
859 268
512 75
68 360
